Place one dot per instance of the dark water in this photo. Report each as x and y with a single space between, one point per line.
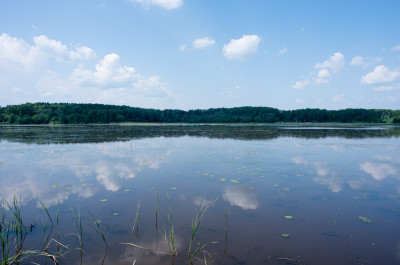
322 179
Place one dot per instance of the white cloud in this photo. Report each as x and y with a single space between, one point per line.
336 62
203 43
396 48
241 48
322 75
357 61
283 51
16 52
23 67
300 101
301 84
381 74
108 72
60 52
338 98
166 4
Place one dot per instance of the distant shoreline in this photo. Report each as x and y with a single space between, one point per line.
77 113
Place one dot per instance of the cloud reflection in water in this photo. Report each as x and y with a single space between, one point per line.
241 196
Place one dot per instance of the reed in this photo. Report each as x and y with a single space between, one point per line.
136 222
169 237
198 216
99 231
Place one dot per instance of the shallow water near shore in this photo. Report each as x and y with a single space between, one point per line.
276 195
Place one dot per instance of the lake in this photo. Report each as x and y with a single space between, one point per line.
263 194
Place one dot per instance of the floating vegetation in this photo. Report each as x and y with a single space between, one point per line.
223 179
84 185
127 190
174 188
116 214
285 235
104 200
286 188
234 181
251 188
288 217
54 186
68 188
276 185
365 219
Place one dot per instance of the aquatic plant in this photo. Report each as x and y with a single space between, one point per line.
198 216
136 222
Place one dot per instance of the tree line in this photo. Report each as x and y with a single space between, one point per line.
73 113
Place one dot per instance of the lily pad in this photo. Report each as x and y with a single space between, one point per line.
127 190
234 181
174 188
54 186
97 222
365 219
286 188
103 200
116 214
223 179
285 235
288 217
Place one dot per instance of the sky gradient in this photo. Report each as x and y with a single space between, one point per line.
190 54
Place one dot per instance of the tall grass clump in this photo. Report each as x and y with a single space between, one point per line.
136 222
198 216
169 235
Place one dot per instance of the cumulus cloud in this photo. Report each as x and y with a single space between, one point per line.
336 62
323 74
241 48
381 74
166 4
301 84
108 71
203 43
60 52
333 65
18 52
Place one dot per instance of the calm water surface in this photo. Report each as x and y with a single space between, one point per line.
284 195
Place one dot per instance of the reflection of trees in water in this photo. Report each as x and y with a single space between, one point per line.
108 133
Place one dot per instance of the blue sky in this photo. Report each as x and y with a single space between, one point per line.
188 54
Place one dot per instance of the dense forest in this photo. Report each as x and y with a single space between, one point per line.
71 113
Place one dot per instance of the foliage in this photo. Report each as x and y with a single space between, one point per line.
70 113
